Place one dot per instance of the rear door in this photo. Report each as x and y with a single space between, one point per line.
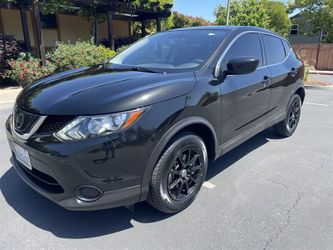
244 98
279 62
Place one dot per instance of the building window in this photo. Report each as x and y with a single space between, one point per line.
323 36
294 29
48 21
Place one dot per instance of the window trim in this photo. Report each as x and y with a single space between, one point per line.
297 29
219 62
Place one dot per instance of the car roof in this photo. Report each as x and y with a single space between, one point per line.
230 28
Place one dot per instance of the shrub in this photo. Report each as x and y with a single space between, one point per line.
27 69
68 56
122 48
9 49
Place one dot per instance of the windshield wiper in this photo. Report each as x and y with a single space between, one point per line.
142 69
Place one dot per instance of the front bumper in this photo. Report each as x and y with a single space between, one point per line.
114 165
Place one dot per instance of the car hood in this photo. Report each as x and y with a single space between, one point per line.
101 90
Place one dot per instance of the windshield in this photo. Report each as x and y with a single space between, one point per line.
172 51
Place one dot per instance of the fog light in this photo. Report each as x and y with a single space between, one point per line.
88 193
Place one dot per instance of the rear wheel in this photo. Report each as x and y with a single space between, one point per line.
288 126
179 174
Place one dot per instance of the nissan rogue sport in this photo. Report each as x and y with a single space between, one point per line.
145 125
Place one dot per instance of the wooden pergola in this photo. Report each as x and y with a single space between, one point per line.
118 9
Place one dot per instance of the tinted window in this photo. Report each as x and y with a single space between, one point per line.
173 50
246 45
274 49
286 46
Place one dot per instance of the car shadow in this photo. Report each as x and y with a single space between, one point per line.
47 215
239 152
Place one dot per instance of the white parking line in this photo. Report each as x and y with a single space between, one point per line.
7 102
208 185
317 104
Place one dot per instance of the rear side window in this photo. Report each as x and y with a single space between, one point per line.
246 45
286 46
274 49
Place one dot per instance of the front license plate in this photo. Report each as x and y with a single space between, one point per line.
22 155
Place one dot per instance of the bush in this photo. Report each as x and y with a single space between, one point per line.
68 56
9 49
26 69
122 48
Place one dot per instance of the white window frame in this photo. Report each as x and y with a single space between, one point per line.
292 28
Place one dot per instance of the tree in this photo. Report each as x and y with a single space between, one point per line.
261 13
278 14
180 20
245 13
318 12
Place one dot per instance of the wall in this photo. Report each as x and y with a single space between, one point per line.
120 29
70 28
73 28
11 22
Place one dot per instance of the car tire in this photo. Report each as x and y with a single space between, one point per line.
179 174
288 126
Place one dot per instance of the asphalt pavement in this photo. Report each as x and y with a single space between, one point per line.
268 193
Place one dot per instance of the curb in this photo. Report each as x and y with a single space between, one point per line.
321 72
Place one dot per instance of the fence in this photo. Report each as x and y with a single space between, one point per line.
319 56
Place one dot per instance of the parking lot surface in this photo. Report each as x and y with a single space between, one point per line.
268 193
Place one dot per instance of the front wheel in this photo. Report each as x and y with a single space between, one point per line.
179 174
288 126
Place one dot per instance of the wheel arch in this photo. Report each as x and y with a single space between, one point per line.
198 125
301 92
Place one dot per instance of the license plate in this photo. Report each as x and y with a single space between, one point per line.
22 155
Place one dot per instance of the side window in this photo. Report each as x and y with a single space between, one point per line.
274 49
246 45
287 47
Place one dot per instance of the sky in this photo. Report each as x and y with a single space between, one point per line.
200 8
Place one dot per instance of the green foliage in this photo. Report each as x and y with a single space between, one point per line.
180 20
318 12
68 56
9 49
261 13
122 48
279 21
245 13
26 69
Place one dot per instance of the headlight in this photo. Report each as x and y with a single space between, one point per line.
91 126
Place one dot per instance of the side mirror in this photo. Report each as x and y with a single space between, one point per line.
242 65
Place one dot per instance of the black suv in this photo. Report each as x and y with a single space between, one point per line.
145 125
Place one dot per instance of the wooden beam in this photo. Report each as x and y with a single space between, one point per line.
25 28
158 25
38 34
110 30
2 30
58 28
143 28
129 28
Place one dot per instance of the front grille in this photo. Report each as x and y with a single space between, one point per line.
42 180
53 124
24 121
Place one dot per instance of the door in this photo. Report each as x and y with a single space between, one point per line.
244 98
281 65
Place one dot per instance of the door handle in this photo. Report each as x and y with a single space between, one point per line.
266 80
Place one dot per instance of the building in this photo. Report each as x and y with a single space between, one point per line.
59 27
41 32
301 32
